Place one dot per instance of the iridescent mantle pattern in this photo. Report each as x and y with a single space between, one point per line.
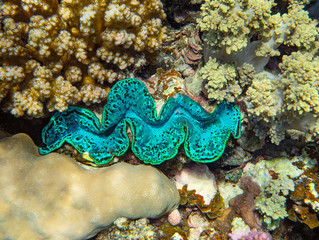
155 139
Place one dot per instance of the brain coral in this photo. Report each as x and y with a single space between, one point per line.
56 53
51 197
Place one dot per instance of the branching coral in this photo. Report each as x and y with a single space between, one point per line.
300 76
275 180
295 90
56 53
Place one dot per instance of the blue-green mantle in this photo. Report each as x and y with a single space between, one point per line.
155 138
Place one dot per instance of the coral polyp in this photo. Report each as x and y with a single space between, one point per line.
156 138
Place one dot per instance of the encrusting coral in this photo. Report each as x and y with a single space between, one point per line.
275 178
198 188
124 229
306 193
241 231
243 205
56 53
52 197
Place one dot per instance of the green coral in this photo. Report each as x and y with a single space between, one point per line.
275 177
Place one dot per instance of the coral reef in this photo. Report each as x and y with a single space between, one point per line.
199 178
52 197
131 230
240 38
229 26
274 99
275 178
243 205
209 70
241 231
57 53
155 139
306 193
221 81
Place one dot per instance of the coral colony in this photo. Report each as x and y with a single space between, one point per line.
155 138
173 80
51 197
50 49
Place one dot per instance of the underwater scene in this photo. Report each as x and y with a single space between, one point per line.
159 119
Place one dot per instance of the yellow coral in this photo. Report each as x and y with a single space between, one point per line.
264 98
49 49
289 101
221 81
301 30
228 25
231 22
300 74
250 32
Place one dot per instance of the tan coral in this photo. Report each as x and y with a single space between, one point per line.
301 29
52 197
10 76
221 81
300 75
229 22
264 99
243 32
64 94
93 94
288 101
75 40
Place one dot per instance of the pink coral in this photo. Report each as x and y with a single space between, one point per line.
175 217
250 235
